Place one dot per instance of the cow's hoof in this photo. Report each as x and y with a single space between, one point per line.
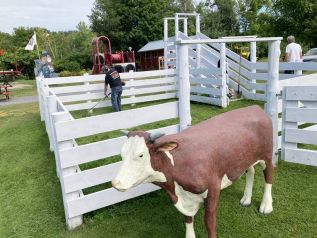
245 201
266 207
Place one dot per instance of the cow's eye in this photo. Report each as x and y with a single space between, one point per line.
141 156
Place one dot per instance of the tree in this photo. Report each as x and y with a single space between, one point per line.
219 18
295 17
252 16
130 23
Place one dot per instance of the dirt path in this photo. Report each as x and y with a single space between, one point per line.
18 100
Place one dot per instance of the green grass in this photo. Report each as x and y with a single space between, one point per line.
31 203
22 88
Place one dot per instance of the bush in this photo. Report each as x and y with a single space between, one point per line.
67 73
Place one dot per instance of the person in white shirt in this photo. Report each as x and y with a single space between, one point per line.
293 53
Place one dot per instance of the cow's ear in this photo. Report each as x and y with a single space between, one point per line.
167 146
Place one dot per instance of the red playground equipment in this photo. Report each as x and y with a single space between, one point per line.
122 61
6 76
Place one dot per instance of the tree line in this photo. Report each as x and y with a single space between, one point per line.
133 23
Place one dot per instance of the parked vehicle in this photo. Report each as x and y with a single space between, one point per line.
310 56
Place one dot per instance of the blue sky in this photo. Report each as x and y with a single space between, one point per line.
54 15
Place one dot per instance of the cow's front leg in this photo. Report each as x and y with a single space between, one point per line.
246 199
211 203
189 222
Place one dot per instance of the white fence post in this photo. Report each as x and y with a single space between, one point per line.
253 60
165 41
72 222
272 92
52 105
184 87
38 88
88 95
224 101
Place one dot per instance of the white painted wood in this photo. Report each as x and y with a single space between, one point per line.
306 93
301 136
184 86
307 80
91 177
272 91
210 91
308 115
223 87
106 198
75 79
78 88
298 66
207 100
124 101
206 41
101 149
71 221
210 72
147 74
124 119
301 156
253 60
287 125
205 81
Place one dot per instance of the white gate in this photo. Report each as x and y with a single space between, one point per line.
299 128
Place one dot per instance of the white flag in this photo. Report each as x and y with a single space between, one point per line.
32 43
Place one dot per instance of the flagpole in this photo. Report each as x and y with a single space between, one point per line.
37 48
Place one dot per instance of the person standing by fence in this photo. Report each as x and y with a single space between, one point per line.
293 53
113 79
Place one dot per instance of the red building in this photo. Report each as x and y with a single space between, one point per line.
149 55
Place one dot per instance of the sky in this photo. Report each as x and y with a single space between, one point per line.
54 15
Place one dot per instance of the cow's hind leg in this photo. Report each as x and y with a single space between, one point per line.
246 199
189 222
267 201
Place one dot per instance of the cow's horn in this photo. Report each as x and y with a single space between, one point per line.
156 135
125 132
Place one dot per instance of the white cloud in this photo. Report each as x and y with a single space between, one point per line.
54 15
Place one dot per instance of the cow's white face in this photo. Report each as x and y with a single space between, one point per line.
136 167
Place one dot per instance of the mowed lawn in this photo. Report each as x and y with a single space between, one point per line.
31 203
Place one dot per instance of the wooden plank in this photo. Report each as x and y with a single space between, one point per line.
301 156
106 198
298 66
301 136
212 71
124 101
259 65
207 100
279 105
77 88
119 120
306 93
308 115
101 149
205 90
91 177
75 79
205 81
307 80
146 74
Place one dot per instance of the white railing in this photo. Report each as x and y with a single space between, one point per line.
64 132
299 107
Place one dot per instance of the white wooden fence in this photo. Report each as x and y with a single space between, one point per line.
299 107
63 131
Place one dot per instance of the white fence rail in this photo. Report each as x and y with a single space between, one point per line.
63 131
299 107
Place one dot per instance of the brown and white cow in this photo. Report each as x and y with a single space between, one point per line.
195 164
